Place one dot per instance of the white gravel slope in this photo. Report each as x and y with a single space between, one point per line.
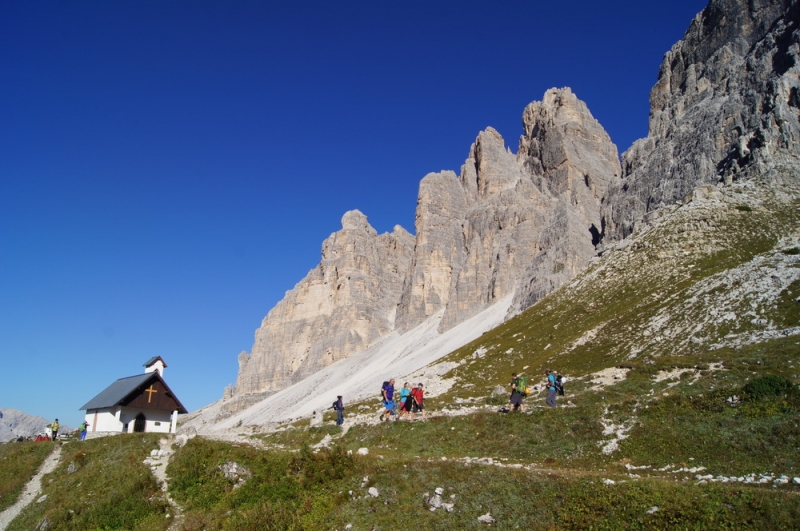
360 376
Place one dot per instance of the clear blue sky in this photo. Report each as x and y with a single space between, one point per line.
168 169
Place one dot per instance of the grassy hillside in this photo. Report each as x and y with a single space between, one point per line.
708 275
329 490
100 484
19 462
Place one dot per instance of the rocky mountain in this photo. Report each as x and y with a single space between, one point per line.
507 225
724 109
343 306
511 224
15 423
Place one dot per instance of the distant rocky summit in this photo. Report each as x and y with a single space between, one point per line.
15 423
726 107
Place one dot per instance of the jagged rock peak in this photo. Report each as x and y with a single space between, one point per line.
725 107
355 220
511 223
506 225
490 168
344 305
560 129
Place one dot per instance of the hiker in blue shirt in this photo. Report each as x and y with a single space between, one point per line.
388 400
405 401
338 406
551 388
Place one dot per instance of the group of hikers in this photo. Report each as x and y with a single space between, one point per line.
409 401
55 426
520 389
406 403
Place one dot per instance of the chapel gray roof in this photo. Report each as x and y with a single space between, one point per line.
117 391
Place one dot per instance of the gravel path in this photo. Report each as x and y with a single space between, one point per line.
32 489
158 461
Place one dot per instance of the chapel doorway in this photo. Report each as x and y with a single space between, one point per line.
139 423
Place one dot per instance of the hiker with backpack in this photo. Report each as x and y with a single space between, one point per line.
388 399
338 406
519 388
552 388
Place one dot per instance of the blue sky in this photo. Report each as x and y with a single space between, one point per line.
169 169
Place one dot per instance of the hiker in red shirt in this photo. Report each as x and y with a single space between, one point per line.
418 398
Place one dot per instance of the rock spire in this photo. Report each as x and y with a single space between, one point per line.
344 305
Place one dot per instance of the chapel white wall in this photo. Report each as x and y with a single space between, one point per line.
114 420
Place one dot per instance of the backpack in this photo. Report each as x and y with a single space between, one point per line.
522 385
383 388
559 386
334 405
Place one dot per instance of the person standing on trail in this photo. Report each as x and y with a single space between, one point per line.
405 401
516 394
388 401
551 388
54 428
338 406
418 397
84 427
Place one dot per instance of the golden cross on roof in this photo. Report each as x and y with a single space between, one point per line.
151 391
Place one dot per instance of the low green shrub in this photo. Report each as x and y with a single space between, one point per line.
769 387
317 468
278 489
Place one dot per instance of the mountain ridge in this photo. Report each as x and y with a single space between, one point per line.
15 423
724 109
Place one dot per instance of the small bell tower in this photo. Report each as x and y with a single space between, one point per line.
156 364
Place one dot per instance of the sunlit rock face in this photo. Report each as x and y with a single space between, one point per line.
343 306
508 224
725 107
511 224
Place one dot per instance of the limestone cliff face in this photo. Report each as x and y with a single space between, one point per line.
439 248
343 306
577 163
725 105
521 224
508 224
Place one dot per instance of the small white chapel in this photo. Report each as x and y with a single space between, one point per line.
141 403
